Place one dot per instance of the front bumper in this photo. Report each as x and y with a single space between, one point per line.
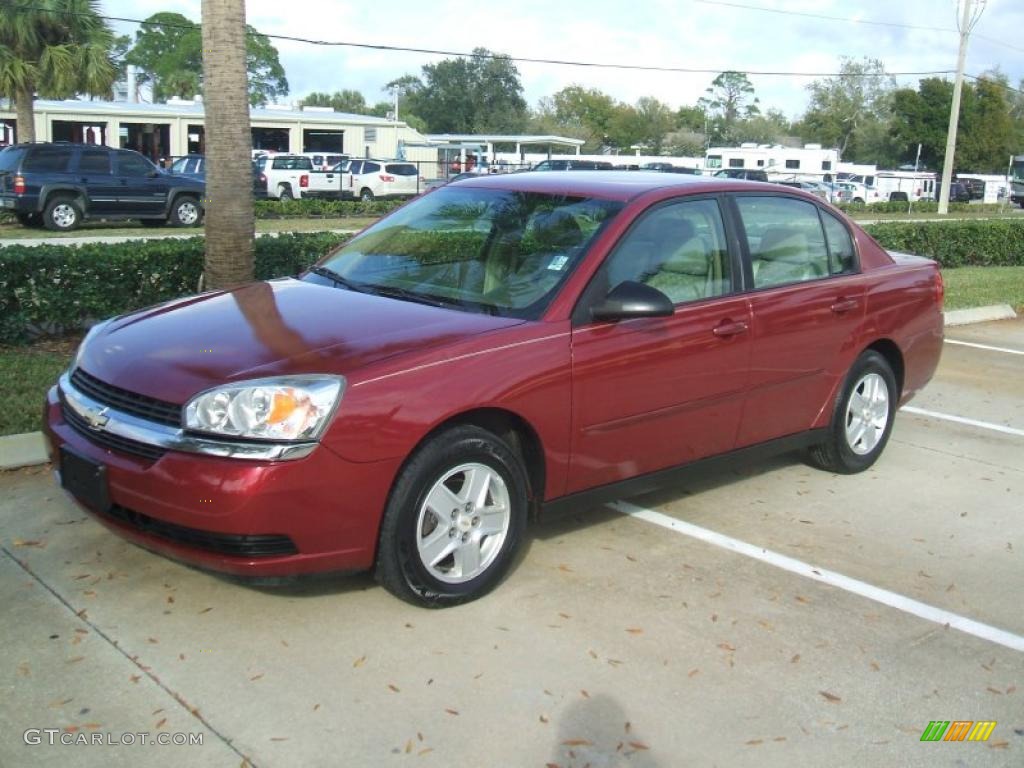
235 515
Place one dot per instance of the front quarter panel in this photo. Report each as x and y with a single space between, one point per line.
389 407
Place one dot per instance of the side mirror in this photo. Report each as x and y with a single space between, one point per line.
631 299
153 174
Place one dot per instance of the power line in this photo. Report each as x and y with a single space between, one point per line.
520 59
849 20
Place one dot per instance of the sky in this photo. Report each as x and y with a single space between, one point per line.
698 34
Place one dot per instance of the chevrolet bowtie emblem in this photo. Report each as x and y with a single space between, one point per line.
96 419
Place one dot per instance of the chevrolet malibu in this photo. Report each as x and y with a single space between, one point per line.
497 348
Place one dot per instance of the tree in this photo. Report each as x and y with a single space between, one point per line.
772 127
645 124
585 113
478 94
846 110
168 54
985 137
56 49
341 101
229 205
730 99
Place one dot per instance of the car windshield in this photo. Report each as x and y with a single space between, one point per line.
493 251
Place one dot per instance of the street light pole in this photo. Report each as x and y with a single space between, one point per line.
954 112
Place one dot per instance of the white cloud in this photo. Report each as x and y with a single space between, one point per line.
674 33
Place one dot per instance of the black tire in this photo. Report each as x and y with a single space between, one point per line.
30 219
836 453
186 212
859 200
284 193
408 518
366 195
62 214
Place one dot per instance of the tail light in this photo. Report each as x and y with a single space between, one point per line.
263 179
303 181
385 177
19 185
940 288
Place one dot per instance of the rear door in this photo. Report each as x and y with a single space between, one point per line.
142 188
650 393
807 302
96 172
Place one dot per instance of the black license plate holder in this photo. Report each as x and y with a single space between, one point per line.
85 479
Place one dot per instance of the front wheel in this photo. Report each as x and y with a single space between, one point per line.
186 212
862 418
454 519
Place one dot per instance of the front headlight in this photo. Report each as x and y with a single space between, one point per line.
280 408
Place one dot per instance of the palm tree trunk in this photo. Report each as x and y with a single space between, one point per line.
229 205
23 105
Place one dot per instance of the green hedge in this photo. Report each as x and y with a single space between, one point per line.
927 206
312 206
991 242
51 289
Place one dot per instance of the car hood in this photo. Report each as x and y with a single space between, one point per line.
173 351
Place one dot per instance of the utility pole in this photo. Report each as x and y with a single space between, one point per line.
966 23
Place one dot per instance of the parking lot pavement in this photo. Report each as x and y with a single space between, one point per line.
614 642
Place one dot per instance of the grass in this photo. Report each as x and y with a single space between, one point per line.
981 286
120 229
25 375
27 372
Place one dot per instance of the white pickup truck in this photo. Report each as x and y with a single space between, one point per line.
287 177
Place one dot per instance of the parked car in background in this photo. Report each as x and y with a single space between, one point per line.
814 188
189 165
573 165
289 177
749 174
958 192
323 161
669 168
60 185
507 345
370 179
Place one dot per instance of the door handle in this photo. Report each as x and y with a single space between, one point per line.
727 328
844 305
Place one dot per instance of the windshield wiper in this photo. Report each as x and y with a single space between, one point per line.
337 279
395 292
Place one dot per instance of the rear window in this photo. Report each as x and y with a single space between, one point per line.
401 169
48 161
93 161
292 164
10 157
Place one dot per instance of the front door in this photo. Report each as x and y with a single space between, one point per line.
143 189
651 393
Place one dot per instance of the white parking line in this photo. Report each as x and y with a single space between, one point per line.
990 348
962 420
863 589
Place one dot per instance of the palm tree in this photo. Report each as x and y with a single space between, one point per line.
56 49
229 206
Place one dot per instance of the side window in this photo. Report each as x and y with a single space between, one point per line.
132 165
843 260
92 162
369 167
48 161
785 240
356 167
679 248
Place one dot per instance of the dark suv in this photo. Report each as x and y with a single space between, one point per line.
750 174
60 185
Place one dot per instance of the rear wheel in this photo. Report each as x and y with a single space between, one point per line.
366 195
284 192
454 519
62 215
862 418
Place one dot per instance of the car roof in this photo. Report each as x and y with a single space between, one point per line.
612 185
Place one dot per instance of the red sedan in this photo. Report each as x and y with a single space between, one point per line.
498 347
